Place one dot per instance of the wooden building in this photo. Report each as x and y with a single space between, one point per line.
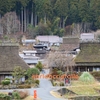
69 44
9 58
88 58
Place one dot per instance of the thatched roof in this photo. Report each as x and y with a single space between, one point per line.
68 47
69 43
9 58
89 54
70 40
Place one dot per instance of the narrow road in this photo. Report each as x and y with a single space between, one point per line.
44 89
43 92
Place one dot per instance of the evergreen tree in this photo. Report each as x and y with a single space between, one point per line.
84 11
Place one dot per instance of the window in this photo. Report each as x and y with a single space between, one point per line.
96 69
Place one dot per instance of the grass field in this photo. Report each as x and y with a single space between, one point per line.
83 88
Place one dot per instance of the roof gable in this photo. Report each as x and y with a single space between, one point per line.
9 58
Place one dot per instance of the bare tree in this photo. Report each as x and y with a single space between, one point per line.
10 23
60 61
97 35
81 28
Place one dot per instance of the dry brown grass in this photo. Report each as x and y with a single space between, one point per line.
82 88
30 98
3 92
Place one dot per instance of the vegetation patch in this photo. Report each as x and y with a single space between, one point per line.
83 89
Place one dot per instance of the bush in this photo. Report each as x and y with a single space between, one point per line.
37 82
39 66
5 97
32 71
96 74
16 95
86 77
54 71
24 86
52 83
23 94
59 72
61 84
7 79
55 84
5 82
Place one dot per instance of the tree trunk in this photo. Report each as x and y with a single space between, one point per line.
24 19
45 19
1 28
35 20
19 21
32 15
27 18
63 22
60 23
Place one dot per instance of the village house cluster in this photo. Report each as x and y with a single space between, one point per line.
85 52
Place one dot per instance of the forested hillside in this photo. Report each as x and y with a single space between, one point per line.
52 16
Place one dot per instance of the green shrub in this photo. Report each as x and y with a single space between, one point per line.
79 73
5 82
39 66
24 86
32 71
5 37
16 95
59 72
96 74
52 83
37 82
7 79
26 81
61 84
55 84
86 77
5 97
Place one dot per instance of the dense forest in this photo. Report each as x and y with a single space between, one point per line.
54 16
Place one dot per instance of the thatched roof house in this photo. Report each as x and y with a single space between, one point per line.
9 58
89 57
69 43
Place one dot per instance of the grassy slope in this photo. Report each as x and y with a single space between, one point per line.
81 88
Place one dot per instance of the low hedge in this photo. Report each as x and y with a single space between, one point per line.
37 82
24 86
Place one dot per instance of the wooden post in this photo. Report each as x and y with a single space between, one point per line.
86 69
78 69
